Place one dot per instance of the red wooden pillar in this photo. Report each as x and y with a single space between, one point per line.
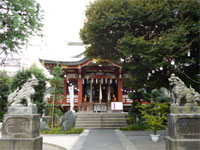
80 87
64 89
119 87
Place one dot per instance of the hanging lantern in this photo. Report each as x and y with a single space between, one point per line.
188 52
173 62
83 81
153 71
161 68
110 81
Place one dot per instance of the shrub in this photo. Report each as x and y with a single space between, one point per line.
4 92
154 115
138 96
135 127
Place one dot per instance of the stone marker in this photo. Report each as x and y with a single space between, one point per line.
68 121
44 126
184 120
20 130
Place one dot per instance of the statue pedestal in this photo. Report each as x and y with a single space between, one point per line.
183 128
20 129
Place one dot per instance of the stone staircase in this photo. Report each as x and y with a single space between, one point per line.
98 120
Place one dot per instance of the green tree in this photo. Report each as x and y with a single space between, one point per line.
22 76
4 91
159 96
138 96
149 36
56 90
154 115
18 20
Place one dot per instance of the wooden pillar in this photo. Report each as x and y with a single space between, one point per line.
80 92
119 87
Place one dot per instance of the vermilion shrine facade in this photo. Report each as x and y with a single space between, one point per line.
96 84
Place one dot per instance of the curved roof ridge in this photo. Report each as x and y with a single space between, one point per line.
66 62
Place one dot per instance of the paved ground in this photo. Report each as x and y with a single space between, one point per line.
142 140
103 139
108 139
66 141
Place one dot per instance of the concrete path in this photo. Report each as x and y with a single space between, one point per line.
103 139
99 139
61 140
142 140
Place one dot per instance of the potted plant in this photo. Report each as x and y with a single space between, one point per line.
154 115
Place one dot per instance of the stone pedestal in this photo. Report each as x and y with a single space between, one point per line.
20 130
183 128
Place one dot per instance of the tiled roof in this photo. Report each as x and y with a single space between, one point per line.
65 62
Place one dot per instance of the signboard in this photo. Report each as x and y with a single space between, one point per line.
116 106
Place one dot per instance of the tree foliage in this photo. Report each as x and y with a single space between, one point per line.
156 96
56 91
155 114
57 82
18 20
148 35
22 76
4 92
159 96
140 94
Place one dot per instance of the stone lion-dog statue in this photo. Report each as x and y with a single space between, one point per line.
25 93
183 95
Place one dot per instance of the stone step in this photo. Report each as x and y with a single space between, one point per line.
98 120
113 119
117 127
115 116
87 118
113 122
87 126
99 116
88 122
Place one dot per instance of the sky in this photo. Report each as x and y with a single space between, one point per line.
63 20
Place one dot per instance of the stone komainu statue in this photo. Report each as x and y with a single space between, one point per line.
184 96
25 93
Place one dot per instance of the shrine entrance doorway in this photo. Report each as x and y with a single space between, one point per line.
98 94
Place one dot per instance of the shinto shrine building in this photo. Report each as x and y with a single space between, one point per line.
97 84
